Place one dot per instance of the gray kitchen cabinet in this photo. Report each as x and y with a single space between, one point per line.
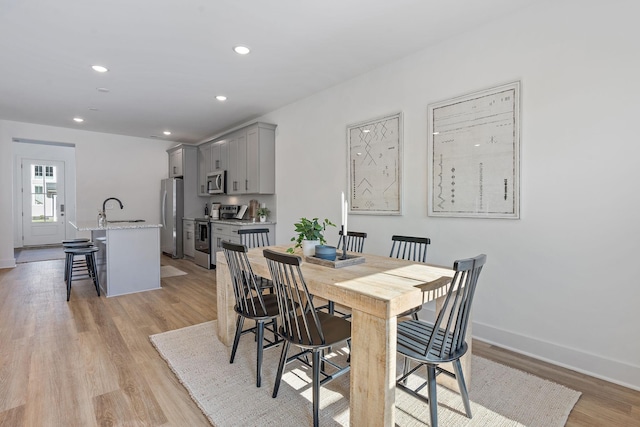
237 172
176 167
261 159
225 230
249 157
188 239
219 157
204 167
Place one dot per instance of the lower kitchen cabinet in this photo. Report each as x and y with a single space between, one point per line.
188 240
226 230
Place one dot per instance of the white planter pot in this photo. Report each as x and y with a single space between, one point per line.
263 218
309 247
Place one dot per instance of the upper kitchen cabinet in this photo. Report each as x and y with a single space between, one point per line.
176 167
252 160
219 156
204 167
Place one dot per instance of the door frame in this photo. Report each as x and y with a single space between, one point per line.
45 150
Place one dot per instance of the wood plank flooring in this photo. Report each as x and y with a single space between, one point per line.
89 362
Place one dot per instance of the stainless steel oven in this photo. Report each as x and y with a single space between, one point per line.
202 243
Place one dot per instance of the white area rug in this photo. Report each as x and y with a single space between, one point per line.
227 395
170 271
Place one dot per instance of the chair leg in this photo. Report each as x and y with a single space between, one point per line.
457 366
260 336
283 360
433 399
69 276
414 316
236 339
94 273
316 387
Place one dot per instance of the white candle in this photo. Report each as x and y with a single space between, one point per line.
346 215
342 207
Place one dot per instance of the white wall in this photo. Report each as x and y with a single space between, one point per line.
558 283
106 166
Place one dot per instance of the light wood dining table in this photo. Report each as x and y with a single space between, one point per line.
375 291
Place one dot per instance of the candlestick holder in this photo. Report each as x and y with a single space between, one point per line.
344 243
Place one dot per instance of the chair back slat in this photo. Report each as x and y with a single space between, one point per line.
249 299
453 318
409 248
254 237
298 316
354 241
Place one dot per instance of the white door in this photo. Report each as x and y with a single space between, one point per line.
43 212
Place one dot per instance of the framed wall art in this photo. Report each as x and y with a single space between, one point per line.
375 166
474 154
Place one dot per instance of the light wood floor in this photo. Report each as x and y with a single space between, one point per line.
89 362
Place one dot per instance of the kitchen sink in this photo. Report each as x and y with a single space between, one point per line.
126 220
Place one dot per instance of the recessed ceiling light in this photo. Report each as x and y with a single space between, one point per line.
166 132
241 50
78 119
103 89
99 68
221 98
93 109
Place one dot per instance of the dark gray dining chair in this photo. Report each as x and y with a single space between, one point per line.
413 249
257 238
354 241
251 303
303 326
254 237
432 344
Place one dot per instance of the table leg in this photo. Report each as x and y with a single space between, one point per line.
225 302
373 370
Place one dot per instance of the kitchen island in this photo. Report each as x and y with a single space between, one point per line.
128 259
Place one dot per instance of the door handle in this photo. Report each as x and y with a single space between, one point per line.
62 209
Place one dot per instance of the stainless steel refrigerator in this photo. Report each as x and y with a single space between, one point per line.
172 203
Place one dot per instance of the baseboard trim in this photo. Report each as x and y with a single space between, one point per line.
8 263
614 371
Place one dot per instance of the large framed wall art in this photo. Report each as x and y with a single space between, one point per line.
474 154
375 166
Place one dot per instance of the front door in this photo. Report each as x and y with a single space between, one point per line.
43 213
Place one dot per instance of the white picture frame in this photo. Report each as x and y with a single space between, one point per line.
473 154
374 155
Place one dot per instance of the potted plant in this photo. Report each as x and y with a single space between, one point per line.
310 233
262 213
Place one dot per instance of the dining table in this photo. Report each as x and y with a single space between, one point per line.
376 291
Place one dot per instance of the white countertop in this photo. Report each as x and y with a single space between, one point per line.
240 222
93 225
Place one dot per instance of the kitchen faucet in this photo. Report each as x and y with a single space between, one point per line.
104 207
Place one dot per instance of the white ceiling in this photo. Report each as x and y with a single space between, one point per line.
168 59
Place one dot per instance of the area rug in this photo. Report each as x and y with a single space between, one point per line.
227 395
170 271
45 253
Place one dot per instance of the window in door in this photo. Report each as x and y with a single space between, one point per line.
43 194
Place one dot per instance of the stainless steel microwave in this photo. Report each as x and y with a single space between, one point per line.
217 182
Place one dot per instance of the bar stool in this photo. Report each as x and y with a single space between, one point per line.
75 243
89 263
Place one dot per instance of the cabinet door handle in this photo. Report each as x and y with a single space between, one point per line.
174 169
246 184
217 164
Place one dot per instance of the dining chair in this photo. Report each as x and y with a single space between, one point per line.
354 241
251 303
303 326
431 344
254 237
410 248
257 238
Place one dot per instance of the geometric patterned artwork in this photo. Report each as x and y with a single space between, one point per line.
375 166
474 155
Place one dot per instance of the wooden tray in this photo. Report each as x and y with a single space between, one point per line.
338 263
